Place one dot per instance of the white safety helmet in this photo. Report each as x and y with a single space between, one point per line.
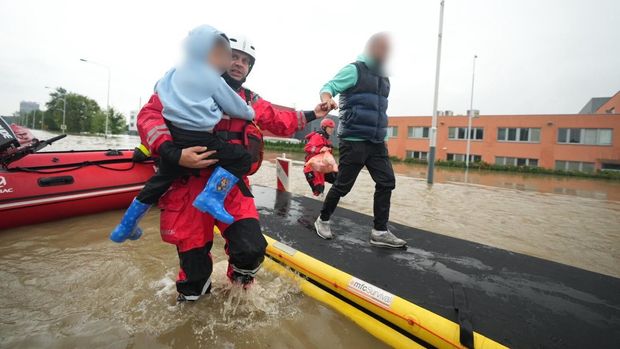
243 44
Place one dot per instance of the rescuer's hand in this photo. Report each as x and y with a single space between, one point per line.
321 110
196 157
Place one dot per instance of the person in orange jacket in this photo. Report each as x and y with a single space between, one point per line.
190 230
319 143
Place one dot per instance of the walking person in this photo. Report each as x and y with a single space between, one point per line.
364 89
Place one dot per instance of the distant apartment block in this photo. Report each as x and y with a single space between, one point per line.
132 124
26 107
587 141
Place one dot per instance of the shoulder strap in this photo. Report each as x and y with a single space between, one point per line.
248 95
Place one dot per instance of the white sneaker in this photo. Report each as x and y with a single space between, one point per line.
384 238
323 229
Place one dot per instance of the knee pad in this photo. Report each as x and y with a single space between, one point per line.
245 243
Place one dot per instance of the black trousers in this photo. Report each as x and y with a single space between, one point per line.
353 157
232 157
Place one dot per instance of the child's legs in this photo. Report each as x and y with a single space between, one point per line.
234 158
157 185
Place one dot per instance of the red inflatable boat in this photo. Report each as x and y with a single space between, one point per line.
43 186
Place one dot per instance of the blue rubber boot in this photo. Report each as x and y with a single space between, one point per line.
128 228
211 199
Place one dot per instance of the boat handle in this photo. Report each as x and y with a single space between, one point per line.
51 181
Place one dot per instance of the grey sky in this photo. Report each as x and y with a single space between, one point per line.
535 56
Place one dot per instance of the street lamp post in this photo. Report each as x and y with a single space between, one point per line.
63 127
433 135
107 114
470 114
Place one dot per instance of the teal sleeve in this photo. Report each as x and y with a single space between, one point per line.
345 79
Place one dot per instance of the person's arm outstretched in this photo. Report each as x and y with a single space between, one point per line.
343 80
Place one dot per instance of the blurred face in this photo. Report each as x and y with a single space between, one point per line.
379 48
219 57
329 130
240 66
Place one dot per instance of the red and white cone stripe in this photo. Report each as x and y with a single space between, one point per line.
283 166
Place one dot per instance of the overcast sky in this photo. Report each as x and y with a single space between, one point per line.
535 56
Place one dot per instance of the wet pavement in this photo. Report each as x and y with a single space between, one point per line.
518 300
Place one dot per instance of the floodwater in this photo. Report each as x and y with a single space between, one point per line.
65 285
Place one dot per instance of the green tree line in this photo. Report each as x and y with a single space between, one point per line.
83 114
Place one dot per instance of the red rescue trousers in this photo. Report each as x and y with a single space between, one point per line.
317 180
192 232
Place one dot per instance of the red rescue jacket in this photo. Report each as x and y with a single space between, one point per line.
316 141
154 132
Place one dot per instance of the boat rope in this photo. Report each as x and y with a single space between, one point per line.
73 167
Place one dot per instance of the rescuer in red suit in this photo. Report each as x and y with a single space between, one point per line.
186 227
319 143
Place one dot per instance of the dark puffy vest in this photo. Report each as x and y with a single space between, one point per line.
363 107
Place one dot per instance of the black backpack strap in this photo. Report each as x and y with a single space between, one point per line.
248 95
466 335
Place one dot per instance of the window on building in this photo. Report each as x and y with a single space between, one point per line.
417 132
416 154
610 167
512 134
501 133
562 135
574 166
461 157
512 161
521 134
574 136
392 131
590 136
477 133
524 134
604 136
